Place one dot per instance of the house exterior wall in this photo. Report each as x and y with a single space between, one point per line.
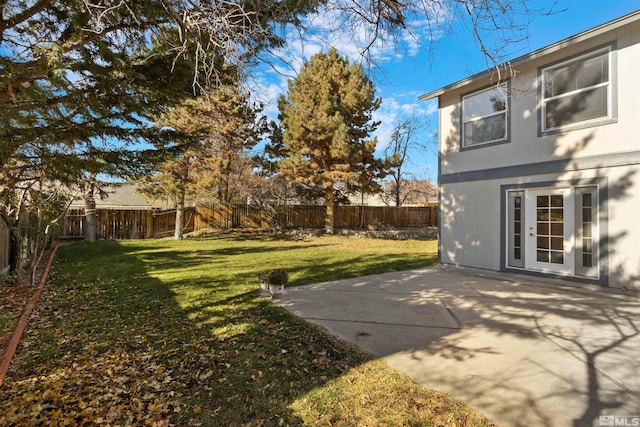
472 224
474 180
525 146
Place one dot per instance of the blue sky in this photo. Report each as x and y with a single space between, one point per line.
435 60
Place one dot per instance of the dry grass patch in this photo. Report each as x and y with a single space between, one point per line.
373 394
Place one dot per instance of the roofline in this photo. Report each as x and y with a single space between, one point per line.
592 32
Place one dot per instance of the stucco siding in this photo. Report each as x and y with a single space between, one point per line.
525 144
624 228
470 224
471 220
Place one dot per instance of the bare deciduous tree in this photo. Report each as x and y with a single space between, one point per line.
404 142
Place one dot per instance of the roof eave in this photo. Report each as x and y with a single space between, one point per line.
590 33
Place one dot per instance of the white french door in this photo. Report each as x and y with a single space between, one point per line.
553 230
549 230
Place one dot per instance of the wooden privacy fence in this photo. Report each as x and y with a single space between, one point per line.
123 224
392 216
147 223
302 216
262 217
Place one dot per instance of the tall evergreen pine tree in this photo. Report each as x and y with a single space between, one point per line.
327 122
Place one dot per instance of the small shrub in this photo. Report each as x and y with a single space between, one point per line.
276 277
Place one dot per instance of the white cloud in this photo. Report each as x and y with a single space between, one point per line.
391 111
327 29
356 39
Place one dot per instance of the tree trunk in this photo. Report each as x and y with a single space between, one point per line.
91 219
18 244
15 222
15 248
177 234
329 217
362 209
397 191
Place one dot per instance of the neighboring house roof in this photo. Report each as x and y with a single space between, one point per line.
124 195
593 32
369 199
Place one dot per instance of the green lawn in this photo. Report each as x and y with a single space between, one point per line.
162 332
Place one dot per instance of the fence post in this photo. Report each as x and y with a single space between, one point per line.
149 224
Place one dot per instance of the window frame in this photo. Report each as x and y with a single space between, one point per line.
507 114
611 86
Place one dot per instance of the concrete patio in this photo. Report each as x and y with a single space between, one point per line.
521 351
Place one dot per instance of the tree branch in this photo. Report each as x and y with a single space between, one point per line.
25 15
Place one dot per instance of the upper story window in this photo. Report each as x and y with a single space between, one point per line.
484 116
577 92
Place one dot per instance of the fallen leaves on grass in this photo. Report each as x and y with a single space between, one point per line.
174 333
117 388
13 299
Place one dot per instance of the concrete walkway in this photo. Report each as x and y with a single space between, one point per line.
523 353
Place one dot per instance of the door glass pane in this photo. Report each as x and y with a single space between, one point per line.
543 242
556 214
543 256
586 245
542 201
557 243
542 228
556 201
515 226
517 217
542 215
550 228
557 257
557 229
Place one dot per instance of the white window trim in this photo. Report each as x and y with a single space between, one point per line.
607 84
503 87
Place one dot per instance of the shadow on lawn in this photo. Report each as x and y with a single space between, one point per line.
109 335
177 258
